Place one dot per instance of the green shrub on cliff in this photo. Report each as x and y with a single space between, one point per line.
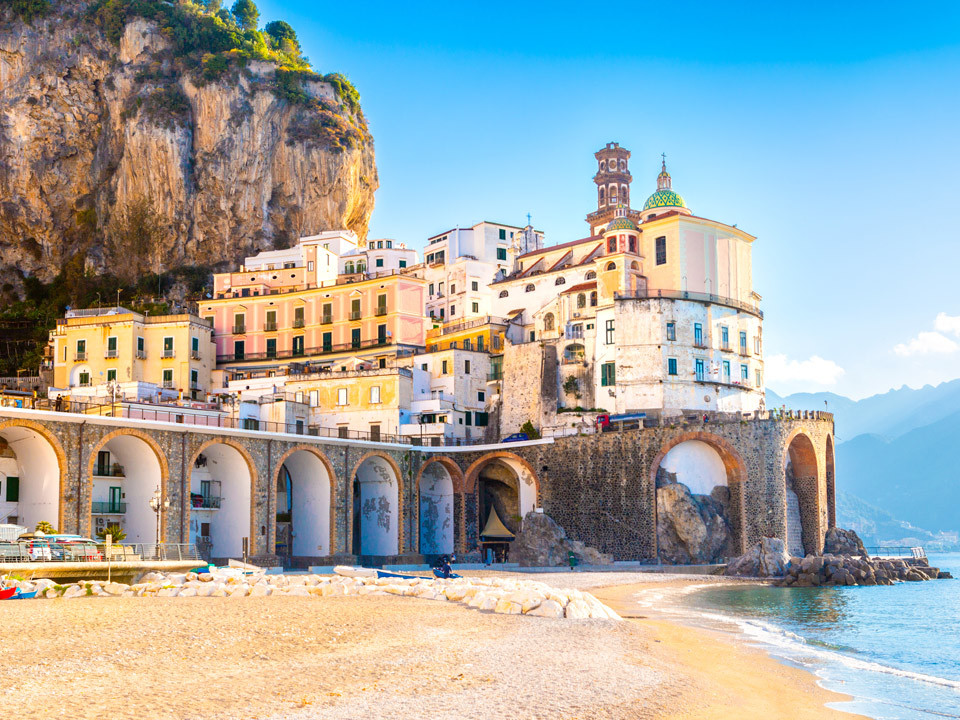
27 10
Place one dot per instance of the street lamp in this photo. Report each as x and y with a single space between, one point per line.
157 504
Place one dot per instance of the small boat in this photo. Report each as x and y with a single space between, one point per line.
24 595
362 572
7 593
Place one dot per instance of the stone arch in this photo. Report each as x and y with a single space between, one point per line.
505 482
146 468
736 476
313 516
224 516
377 513
41 489
831 485
802 480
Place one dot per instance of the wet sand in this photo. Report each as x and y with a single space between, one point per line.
297 658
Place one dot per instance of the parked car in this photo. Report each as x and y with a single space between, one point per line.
37 549
56 545
516 437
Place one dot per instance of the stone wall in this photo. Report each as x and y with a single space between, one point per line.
521 386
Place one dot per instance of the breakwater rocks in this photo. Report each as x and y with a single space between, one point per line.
832 570
498 595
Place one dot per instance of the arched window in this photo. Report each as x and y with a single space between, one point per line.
361 267
593 299
603 164
559 281
612 244
581 300
623 191
635 266
623 165
348 268
529 288
632 243
591 275
611 266
548 321
504 293
603 196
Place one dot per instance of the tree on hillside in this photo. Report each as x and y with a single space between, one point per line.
280 30
246 13
135 240
212 6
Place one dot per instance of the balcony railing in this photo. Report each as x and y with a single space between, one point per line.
298 323
381 310
324 349
495 375
168 352
207 502
168 384
687 295
725 346
700 343
239 329
108 508
141 354
355 314
326 319
111 354
270 327
80 357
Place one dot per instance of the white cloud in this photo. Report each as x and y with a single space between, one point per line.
814 370
948 324
928 343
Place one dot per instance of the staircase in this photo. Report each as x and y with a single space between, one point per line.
794 526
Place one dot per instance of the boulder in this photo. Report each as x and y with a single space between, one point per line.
74 591
577 610
505 606
297 591
843 542
691 529
261 589
548 609
541 542
768 558
115 589
187 592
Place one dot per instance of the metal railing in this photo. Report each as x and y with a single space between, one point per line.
466 325
205 502
31 551
895 551
326 320
298 322
80 356
381 310
687 295
270 327
167 353
239 329
111 354
322 350
108 508
355 314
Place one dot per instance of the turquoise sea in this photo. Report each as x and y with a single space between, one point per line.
895 649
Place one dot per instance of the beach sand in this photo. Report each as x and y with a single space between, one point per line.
392 657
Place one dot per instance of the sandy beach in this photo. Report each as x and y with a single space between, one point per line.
295 658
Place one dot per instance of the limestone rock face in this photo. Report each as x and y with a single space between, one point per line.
692 529
768 558
543 543
230 169
843 542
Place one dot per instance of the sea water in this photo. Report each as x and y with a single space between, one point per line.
895 649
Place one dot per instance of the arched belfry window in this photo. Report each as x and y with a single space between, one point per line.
591 275
611 266
504 293
559 281
529 288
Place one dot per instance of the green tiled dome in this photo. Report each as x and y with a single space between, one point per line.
663 198
621 223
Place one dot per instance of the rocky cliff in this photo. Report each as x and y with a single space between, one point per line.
112 150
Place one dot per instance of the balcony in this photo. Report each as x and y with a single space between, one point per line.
382 310
700 344
355 314
168 384
298 323
326 348
743 351
495 375
270 326
111 354
168 353
326 320
111 471
80 357
194 354
205 502
239 329
141 354
725 346
108 508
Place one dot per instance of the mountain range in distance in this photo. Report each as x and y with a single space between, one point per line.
897 479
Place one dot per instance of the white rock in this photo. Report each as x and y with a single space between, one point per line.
115 589
187 592
261 589
577 610
74 591
168 592
505 606
238 591
332 589
548 609
297 591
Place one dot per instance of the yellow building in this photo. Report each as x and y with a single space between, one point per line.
111 347
483 334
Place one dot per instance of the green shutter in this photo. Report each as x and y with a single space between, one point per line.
13 489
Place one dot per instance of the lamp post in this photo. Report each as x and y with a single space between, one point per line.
157 504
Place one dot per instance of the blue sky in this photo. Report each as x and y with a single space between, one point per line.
829 132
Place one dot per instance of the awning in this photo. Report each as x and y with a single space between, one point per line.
495 529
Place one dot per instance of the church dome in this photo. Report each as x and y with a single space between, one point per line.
662 199
621 223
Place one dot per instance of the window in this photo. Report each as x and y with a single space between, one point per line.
424 366
608 374
699 368
195 347
81 349
168 347
474 285
348 268
298 320
111 347
501 253
724 337
611 266
355 309
168 377
13 489
744 373
141 348
609 333
480 343
533 335
297 345
466 367
195 379
379 262
453 310
343 431
756 344
581 301
430 290
726 371
380 244
529 288
403 263
271 322
382 334
480 419
632 243
112 375
612 245
84 379
671 331
504 293
453 344
381 304
559 281
496 342
355 338
453 288
375 394
698 335
468 418
481 396
310 266
593 298
341 396
743 343
475 307
466 344
591 275
239 322
671 366
503 234
443 370
238 350
756 377
389 244
327 342
327 314
661 246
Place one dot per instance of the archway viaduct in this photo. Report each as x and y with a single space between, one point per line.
600 488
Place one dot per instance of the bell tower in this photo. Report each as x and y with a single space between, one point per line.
613 180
